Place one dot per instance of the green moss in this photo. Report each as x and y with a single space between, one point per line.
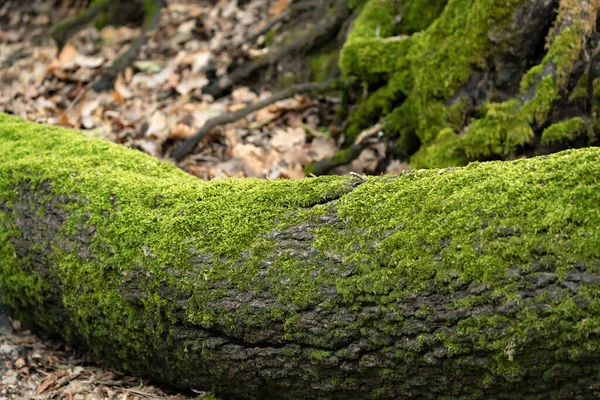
373 59
428 68
444 152
270 36
563 131
320 354
376 19
507 126
580 91
179 213
500 133
431 65
417 15
323 64
150 8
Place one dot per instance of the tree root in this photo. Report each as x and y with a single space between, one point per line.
313 87
72 25
284 16
343 156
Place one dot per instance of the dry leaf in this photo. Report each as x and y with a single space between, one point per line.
180 131
46 383
67 56
279 7
157 127
288 138
88 62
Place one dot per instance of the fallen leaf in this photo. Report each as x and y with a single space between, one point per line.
67 56
149 67
157 127
201 60
288 138
46 383
191 83
88 62
279 7
180 131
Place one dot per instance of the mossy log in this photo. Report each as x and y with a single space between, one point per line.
475 282
464 80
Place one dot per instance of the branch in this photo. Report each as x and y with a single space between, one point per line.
314 87
152 19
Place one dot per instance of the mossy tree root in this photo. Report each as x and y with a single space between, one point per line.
64 30
151 21
463 88
478 282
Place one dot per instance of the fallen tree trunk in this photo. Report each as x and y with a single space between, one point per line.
480 282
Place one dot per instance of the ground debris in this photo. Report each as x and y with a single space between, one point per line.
159 101
35 368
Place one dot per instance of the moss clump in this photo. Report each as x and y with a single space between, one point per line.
417 15
418 76
154 225
376 19
443 152
323 65
563 131
499 133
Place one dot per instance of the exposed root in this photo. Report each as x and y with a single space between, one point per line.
71 26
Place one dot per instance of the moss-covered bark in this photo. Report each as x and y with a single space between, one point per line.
475 79
480 282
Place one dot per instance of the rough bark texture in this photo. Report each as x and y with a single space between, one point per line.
478 282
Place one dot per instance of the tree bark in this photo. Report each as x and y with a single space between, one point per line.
476 282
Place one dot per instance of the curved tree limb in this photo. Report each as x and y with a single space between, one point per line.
312 87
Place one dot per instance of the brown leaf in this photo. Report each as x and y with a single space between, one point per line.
290 137
67 56
180 131
47 383
63 120
279 7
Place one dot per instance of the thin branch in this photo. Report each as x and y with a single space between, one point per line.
313 87
307 39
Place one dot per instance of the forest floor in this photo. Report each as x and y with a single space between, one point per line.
153 106
35 368
159 101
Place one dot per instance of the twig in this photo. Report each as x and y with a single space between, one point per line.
188 145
